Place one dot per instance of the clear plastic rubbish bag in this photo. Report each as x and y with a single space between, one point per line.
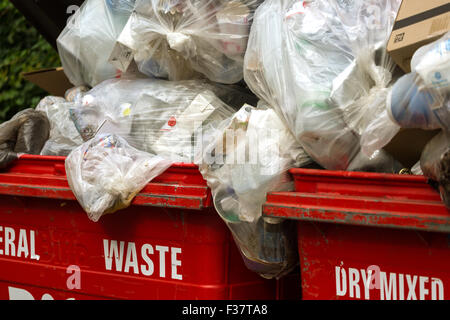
188 39
243 158
25 133
323 66
435 163
64 137
86 42
106 173
158 116
419 99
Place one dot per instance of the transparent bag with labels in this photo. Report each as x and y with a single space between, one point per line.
158 116
188 39
243 158
323 66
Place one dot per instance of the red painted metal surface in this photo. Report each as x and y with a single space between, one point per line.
170 244
368 199
181 186
349 224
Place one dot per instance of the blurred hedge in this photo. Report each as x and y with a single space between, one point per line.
22 49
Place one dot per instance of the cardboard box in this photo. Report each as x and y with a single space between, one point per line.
53 80
407 146
418 23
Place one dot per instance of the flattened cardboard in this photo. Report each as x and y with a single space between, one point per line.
53 80
418 23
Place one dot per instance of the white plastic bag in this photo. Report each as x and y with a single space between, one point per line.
243 158
187 39
86 42
324 67
106 173
64 137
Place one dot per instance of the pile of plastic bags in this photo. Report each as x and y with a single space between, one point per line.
324 67
186 39
161 81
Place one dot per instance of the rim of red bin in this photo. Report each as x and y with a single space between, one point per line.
363 199
180 186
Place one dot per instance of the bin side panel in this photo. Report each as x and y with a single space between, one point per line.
355 262
137 253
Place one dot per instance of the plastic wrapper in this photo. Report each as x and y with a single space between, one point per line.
435 164
323 66
25 133
75 93
63 137
87 41
419 99
187 39
243 158
158 116
106 173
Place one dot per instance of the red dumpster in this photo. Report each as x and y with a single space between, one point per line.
367 235
170 244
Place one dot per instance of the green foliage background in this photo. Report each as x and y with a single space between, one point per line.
22 49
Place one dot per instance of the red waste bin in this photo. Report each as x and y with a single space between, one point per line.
170 244
367 235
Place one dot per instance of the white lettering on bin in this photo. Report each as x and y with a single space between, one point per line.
392 285
142 264
22 294
147 270
21 246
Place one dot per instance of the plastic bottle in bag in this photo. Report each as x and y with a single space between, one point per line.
63 137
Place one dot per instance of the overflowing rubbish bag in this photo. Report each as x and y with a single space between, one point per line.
63 137
187 39
106 173
134 130
420 99
86 43
323 66
435 163
157 116
25 133
243 158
